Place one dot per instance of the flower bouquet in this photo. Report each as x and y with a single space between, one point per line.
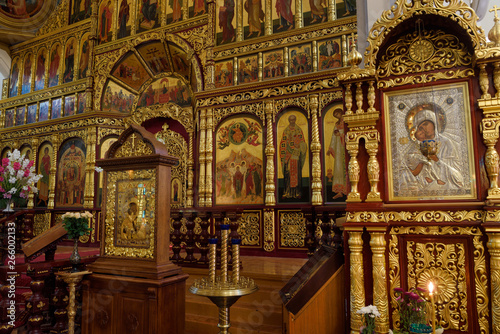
369 312
77 225
17 179
412 310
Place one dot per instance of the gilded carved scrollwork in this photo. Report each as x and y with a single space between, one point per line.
41 223
104 132
249 228
133 147
425 78
292 228
421 216
209 158
168 110
269 234
253 108
455 10
326 98
429 261
357 280
90 144
490 129
494 251
422 51
301 102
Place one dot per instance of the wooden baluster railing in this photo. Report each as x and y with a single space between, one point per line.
189 238
310 238
59 302
176 238
5 327
326 229
36 304
204 221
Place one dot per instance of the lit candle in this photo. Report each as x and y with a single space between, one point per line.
433 316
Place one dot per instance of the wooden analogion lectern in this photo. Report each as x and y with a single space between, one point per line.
134 287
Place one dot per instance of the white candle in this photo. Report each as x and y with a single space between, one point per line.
431 295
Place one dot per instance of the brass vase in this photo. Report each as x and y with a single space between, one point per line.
75 259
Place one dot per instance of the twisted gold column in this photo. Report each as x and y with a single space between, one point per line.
373 167
72 279
236 260
332 12
223 251
202 158
380 296
270 150
209 158
212 256
190 176
268 23
53 171
239 21
494 250
34 149
317 198
357 280
299 21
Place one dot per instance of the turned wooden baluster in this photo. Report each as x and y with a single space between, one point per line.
189 238
5 328
310 238
204 221
59 301
337 232
326 229
176 238
27 224
36 304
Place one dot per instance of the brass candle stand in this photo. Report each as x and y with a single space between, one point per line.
221 290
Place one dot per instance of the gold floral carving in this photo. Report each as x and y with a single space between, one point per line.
133 147
110 249
104 132
5 89
41 223
177 147
422 51
292 228
421 216
91 144
302 102
249 228
184 115
455 10
423 257
380 296
357 300
268 92
425 78
444 265
326 98
489 127
269 230
492 216
344 27
252 108
56 20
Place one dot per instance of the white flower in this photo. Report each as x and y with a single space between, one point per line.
77 215
440 330
161 140
25 188
86 214
390 331
371 310
12 191
98 169
12 179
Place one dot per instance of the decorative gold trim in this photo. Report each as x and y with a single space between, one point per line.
202 158
316 184
269 230
425 78
270 151
380 296
422 216
292 226
209 158
494 251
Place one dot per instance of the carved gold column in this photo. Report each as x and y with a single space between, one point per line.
209 158
261 66
89 91
90 144
348 99
359 98
268 230
53 171
210 70
344 50
491 158
185 10
268 23
353 167
235 70
357 298
270 151
286 61
299 20
315 56
496 79
317 198
202 158
380 296
373 167
190 176
72 279
332 11
239 21
484 82
371 96
34 149
494 250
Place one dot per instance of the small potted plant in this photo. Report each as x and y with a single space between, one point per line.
369 312
77 225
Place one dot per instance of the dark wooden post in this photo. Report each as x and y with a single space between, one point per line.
189 238
176 238
59 301
204 221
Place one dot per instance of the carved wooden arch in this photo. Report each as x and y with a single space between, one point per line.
183 115
104 63
456 10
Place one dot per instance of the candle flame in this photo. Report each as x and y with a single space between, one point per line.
431 287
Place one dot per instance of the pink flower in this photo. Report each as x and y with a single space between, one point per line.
1 178
26 173
398 290
414 296
2 190
421 289
22 194
5 161
31 163
1 169
16 165
7 195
